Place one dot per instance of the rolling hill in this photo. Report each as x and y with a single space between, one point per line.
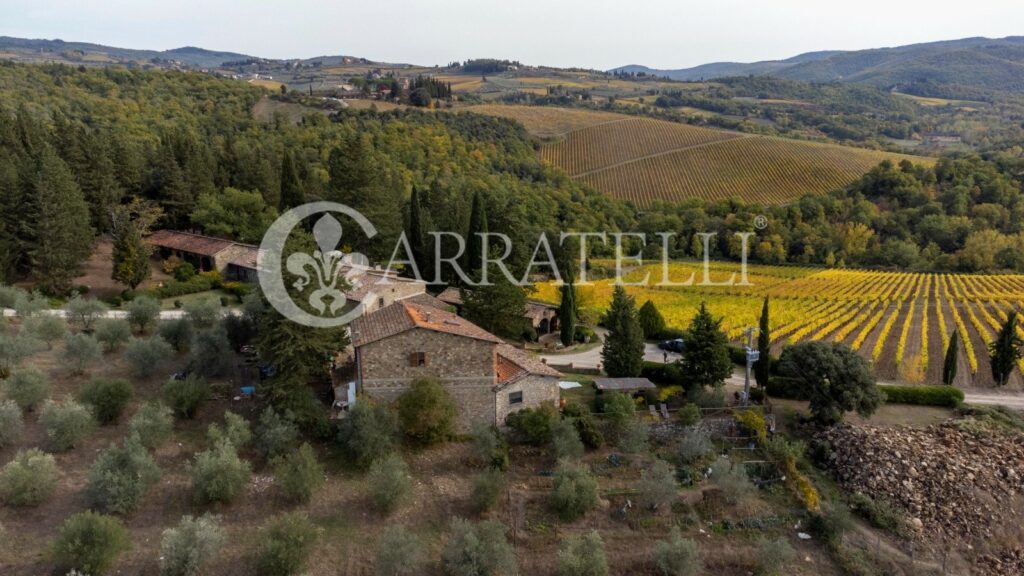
642 159
996 64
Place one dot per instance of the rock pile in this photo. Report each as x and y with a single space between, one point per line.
950 482
1006 563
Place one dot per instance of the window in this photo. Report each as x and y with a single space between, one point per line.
515 397
418 359
380 302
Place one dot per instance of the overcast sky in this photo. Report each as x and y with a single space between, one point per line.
587 33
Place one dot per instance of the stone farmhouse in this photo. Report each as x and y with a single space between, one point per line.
412 339
234 260
542 316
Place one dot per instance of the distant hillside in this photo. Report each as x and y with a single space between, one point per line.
994 64
37 49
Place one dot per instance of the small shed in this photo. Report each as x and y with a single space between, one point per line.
623 384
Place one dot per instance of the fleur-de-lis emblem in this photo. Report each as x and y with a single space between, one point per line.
328 265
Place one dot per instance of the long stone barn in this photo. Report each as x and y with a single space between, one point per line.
406 341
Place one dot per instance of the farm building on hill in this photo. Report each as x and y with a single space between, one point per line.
409 340
235 261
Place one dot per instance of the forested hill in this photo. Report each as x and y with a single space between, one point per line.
76 143
991 64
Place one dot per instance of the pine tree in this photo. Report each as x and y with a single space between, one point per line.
291 190
1005 350
473 259
567 314
651 321
623 350
706 355
498 307
63 236
763 366
131 256
950 365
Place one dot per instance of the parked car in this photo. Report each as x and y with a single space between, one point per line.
675 345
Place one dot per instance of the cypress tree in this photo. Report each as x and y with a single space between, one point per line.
762 368
623 350
1005 350
651 320
567 314
949 366
706 355
473 259
291 191
415 233
63 236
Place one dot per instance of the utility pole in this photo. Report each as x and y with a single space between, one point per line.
753 354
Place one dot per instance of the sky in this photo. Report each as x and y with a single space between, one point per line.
598 34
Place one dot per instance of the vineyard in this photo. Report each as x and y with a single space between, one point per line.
642 159
901 322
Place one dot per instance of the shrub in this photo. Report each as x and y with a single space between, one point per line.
635 437
399 553
219 475
948 396
712 398
106 397
121 476
152 424
534 425
298 474
81 351
565 441
46 328
489 448
478 549
732 480
90 543
582 556
210 355
487 489
585 425
203 312
618 409
240 330
285 545
185 548
28 387
773 556
14 349
9 295
389 482
677 556
880 513
275 435
754 423
184 272
11 422
236 430
427 412
147 356
694 445
29 479
574 493
657 486
689 415
186 396
368 433
830 525
83 313
113 333
66 424
143 312
177 333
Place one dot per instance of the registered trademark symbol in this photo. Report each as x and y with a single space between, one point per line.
760 221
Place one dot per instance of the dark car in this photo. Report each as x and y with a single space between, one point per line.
675 345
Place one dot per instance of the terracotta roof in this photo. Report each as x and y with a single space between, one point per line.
425 299
242 255
451 295
366 281
521 364
189 242
405 315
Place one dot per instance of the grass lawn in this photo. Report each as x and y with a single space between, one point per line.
168 303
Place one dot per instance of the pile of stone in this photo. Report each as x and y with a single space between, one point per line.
1006 563
951 483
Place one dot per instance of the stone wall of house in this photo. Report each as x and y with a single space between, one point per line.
536 390
465 365
388 294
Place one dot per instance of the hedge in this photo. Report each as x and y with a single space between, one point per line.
940 395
